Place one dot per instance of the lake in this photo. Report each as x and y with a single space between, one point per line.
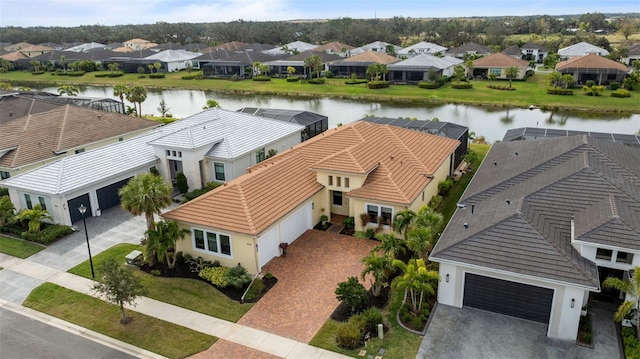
488 121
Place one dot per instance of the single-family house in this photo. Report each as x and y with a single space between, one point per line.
469 49
421 48
539 227
360 168
86 47
357 64
139 44
229 64
497 64
34 132
633 54
531 133
513 51
279 67
533 52
215 145
377 46
314 123
229 46
335 48
593 67
175 60
581 49
422 68
294 47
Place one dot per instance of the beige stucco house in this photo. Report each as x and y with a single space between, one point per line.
354 169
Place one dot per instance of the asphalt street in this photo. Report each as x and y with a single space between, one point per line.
24 337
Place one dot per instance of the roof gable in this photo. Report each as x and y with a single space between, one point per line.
591 61
500 60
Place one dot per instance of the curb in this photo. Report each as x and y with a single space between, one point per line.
80 331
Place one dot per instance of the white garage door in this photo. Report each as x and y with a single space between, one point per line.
296 224
268 246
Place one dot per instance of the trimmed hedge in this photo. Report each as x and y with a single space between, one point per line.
101 74
156 76
75 73
378 84
115 74
215 275
48 235
501 88
559 91
261 78
199 192
621 93
429 85
37 72
293 78
462 86
317 81
356 81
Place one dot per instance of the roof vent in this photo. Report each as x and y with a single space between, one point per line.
516 153
466 225
473 207
99 117
508 202
10 113
461 205
495 163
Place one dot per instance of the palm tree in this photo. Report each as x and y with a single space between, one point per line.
120 91
69 90
390 245
384 70
157 66
211 104
161 242
631 287
63 61
151 67
6 210
36 65
419 240
5 65
256 68
379 268
402 221
458 73
113 66
313 63
137 94
469 65
34 216
145 193
566 80
426 217
416 281
511 73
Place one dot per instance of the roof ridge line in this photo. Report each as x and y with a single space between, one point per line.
245 207
411 153
614 208
62 126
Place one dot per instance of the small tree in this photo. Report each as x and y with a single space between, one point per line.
181 182
630 287
291 70
145 194
151 67
119 285
379 268
390 244
416 281
34 216
163 108
6 210
511 73
458 73
161 242
157 66
352 293
492 77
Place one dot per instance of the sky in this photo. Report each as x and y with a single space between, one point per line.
68 13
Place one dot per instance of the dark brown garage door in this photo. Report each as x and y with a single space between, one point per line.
506 297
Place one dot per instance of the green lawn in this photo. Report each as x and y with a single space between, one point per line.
146 332
18 247
397 342
191 294
532 91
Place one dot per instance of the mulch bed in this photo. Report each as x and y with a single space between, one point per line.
182 270
320 227
343 312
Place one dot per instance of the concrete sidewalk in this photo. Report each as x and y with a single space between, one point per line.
232 332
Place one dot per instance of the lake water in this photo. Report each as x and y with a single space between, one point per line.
489 121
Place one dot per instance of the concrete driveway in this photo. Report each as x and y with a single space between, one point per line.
459 333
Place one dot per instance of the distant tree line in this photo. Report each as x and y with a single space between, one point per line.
402 31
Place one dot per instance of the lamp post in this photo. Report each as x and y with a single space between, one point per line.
83 210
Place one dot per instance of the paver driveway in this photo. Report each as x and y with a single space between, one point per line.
303 299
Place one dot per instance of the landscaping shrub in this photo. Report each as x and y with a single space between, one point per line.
630 343
317 81
355 81
215 275
444 186
48 235
559 91
435 202
462 86
261 78
293 78
328 74
349 223
156 76
621 93
237 276
4 191
501 88
37 72
593 90
590 83
254 291
353 293
101 74
181 182
60 72
371 318
429 85
198 264
75 73
115 74
194 76
614 86
348 336
378 84
199 192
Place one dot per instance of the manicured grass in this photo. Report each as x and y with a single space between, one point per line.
397 342
187 293
532 91
18 247
146 332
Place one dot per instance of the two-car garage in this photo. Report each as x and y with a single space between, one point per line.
507 297
107 197
286 231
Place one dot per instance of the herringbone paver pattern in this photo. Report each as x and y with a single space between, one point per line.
304 298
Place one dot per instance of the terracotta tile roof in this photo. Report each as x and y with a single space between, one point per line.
591 61
336 47
13 56
400 160
229 46
40 136
499 60
373 56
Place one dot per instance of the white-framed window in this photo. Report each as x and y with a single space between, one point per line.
218 244
260 155
604 254
624 257
219 171
496 72
79 150
385 213
4 175
27 200
337 198
43 204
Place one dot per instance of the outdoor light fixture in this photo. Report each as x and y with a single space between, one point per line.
82 209
447 278
573 302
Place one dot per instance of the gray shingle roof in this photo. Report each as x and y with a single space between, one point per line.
526 193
